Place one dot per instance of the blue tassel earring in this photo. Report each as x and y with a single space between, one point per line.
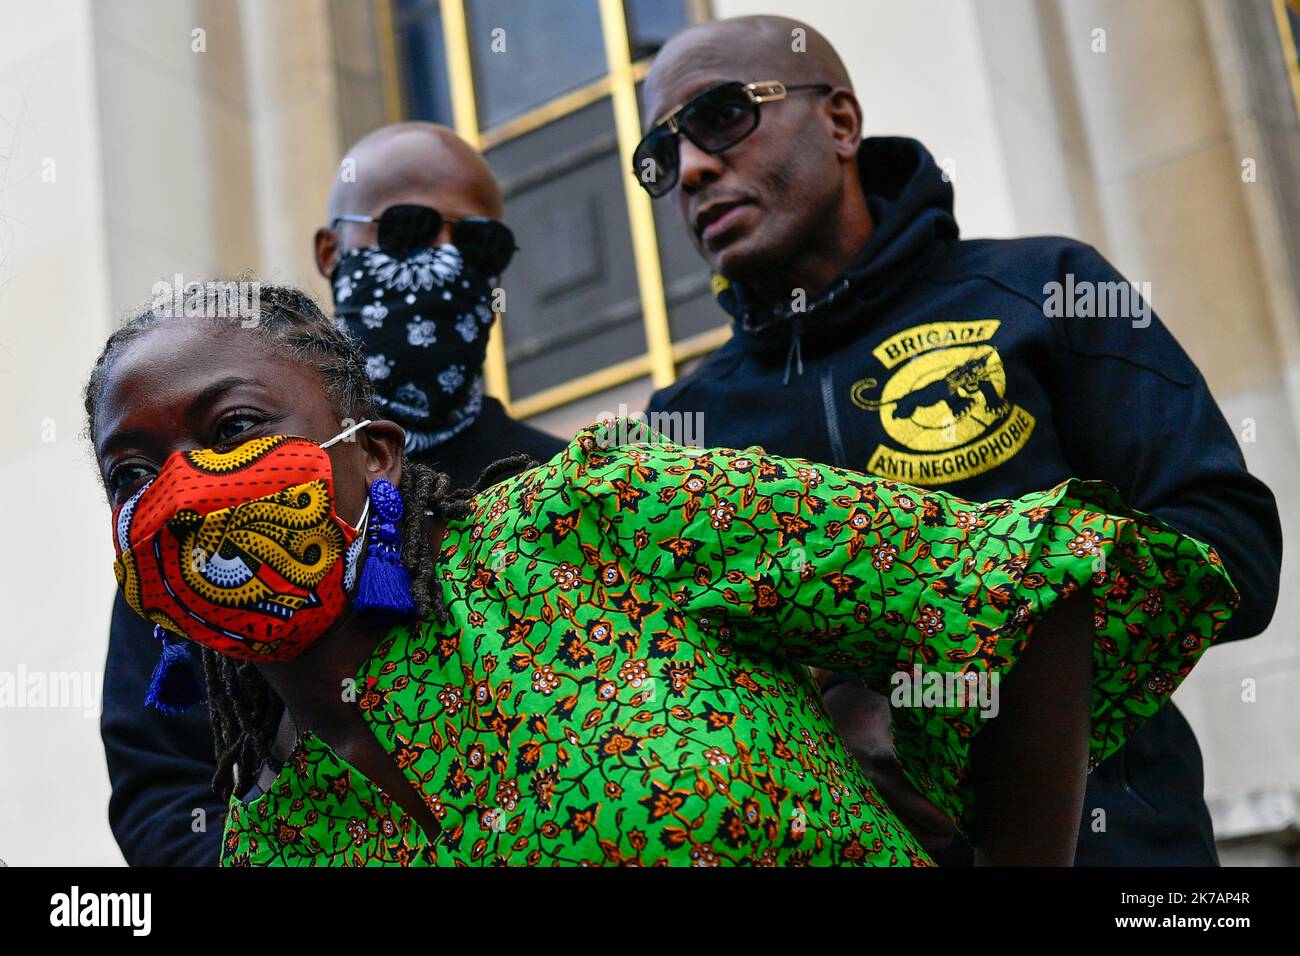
173 689
384 585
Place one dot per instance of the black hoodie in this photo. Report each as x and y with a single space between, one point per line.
991 368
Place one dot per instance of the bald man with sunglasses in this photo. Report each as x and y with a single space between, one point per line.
418 208
867 335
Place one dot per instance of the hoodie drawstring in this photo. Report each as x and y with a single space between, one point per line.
796 350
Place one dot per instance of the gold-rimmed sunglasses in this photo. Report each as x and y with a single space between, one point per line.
714 120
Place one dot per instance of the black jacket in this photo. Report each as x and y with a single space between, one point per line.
161 767
947 364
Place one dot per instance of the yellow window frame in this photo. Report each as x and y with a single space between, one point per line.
662 354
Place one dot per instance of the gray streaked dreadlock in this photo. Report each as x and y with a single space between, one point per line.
244 710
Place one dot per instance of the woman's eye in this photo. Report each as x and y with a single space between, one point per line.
125 477
232 426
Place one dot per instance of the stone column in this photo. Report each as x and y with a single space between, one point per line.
293 113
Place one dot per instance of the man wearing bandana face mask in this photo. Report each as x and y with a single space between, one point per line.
420 301
421 307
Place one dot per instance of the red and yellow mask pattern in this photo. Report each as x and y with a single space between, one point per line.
238 550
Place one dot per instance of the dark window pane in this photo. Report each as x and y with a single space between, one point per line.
528 53
572 304
428 93
651 22
1293 14
687 278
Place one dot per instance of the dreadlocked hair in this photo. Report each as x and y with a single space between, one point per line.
420 483
245 711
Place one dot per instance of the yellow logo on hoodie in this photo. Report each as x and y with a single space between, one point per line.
944 404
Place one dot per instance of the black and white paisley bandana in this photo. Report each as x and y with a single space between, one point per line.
423 322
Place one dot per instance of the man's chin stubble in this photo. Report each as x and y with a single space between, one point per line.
757 269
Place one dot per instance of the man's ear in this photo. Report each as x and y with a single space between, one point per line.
327 250
382 443
845 115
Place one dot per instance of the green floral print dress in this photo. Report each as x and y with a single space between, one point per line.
623 681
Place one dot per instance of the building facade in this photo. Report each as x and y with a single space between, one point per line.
144 138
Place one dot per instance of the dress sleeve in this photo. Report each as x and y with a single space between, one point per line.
917 593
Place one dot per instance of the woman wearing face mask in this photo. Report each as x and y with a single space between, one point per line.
601 659
413 249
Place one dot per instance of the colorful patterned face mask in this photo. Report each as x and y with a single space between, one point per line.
240 550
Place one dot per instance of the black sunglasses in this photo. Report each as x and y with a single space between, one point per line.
714 120
486 244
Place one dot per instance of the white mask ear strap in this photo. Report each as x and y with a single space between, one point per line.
346 433
353 555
